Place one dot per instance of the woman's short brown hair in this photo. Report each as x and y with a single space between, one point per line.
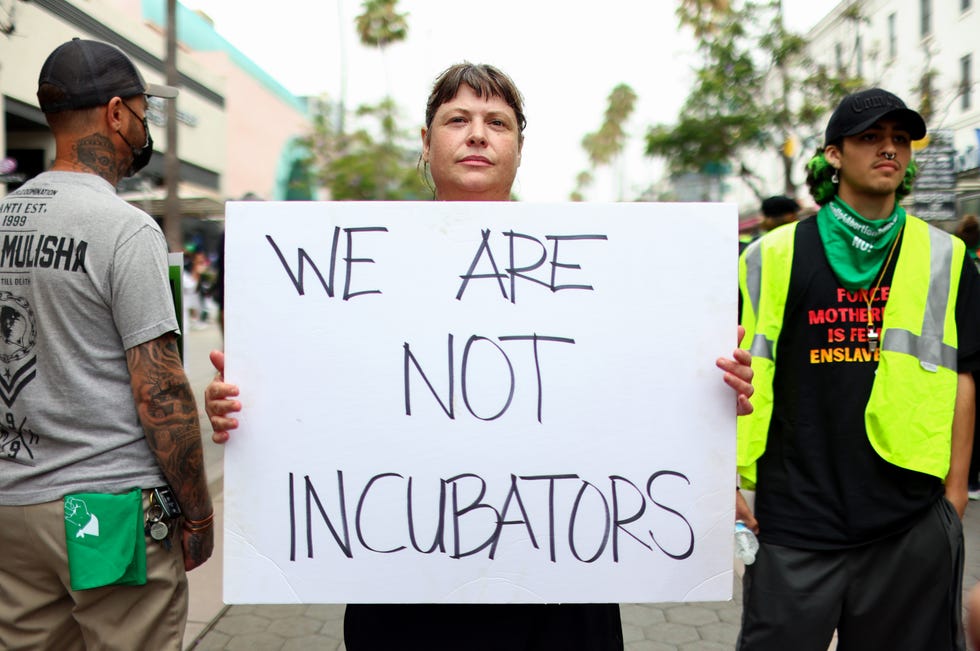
485 80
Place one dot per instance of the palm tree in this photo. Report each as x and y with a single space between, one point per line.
605 146
380 24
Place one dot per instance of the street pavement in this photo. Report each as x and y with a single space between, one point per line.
211 625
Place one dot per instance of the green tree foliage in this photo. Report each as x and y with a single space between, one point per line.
606 145
756 89
378 164
926 90
704 15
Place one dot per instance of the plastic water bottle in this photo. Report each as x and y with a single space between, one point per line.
746 544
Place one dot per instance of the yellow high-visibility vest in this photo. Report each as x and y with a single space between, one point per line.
909 417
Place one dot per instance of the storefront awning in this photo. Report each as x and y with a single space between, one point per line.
199 207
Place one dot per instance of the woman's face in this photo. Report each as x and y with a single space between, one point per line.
473 148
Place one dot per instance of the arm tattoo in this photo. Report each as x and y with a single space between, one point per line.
168 414
199 546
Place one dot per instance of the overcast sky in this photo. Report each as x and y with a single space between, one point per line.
565 57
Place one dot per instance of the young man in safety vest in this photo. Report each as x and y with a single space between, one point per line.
864 328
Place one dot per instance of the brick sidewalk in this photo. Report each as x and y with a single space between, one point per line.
646 627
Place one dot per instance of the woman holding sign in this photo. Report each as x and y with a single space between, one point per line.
471 148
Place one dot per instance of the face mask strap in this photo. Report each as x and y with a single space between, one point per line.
141 155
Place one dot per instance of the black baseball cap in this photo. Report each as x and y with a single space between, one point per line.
90 73
860 110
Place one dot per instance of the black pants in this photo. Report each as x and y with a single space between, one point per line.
483 627
903 592
974 476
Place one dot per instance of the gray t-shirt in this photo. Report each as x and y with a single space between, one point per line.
83 278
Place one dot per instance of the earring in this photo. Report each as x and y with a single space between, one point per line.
835 179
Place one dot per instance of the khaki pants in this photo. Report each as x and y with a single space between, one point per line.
39 611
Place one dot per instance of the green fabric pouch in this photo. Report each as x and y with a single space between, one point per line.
105 539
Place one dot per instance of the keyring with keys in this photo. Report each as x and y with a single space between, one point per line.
156 528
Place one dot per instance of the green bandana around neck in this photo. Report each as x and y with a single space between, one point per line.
856 247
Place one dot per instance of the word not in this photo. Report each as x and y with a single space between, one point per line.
515 272
303 258
610 520
449 405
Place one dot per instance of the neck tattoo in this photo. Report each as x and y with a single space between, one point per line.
97 153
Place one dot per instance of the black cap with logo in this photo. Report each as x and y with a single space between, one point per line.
90 73
859 111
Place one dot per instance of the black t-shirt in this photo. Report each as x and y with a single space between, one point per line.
820 484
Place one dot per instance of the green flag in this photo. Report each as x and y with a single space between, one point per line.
105 539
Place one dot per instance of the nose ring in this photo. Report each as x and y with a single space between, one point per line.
889 156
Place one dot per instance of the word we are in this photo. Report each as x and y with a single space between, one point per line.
516 269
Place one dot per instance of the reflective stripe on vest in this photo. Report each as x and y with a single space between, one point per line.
770 256
761 346
909 415
928 347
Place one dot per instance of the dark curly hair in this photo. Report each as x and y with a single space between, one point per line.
819 173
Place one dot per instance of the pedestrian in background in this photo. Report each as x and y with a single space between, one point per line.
471 145
194 268
864 327
968 230
202 286
777 211
100 435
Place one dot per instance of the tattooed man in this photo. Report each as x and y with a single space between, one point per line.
104 502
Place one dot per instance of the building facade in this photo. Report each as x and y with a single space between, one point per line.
263 120
926 52
237 127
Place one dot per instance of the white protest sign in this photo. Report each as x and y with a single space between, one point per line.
479 402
